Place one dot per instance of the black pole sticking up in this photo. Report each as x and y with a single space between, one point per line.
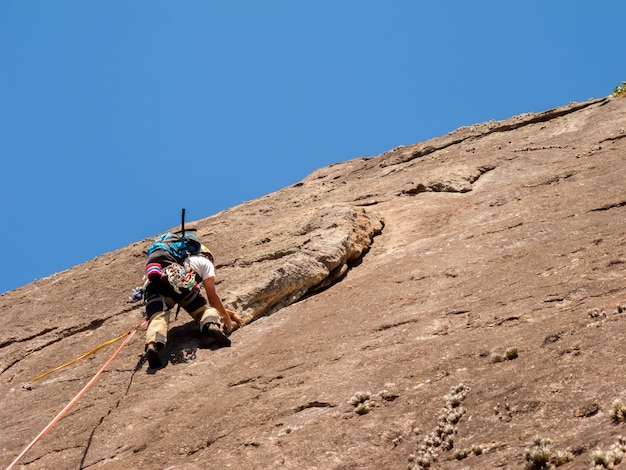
182 224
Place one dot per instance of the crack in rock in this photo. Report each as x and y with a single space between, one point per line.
460 180
607 207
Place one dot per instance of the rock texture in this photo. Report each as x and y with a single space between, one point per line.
454 304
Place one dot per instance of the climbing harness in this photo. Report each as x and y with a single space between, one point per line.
62 413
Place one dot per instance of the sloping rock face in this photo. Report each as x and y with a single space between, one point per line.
450 304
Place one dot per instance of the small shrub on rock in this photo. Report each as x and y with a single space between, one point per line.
509 355
362 402
360 397
538 456
618 411
620 91
596 313
561 458
601 460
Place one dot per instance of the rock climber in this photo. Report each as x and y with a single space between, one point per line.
162 293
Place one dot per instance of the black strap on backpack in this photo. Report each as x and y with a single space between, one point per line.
182 235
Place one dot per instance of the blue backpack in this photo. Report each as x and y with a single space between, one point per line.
179 246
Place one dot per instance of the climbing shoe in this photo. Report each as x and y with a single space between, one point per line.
213 330
154 361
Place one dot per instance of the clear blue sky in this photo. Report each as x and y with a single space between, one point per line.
116 114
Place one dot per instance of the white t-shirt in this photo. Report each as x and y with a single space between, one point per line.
201 266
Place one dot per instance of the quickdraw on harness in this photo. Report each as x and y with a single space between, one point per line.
179 278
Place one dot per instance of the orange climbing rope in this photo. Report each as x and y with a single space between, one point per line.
62 413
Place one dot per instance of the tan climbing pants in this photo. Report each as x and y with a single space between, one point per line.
159 322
